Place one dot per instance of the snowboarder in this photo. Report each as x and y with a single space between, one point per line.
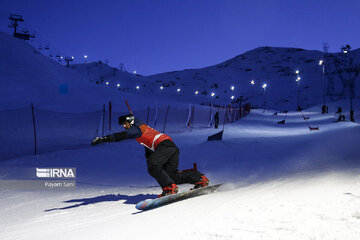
161 153
340 114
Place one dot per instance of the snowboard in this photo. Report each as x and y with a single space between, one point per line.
158 202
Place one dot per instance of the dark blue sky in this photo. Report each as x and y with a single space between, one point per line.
153 36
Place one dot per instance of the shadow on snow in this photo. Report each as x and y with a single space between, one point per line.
105 198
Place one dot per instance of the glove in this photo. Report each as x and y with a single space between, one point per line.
99 140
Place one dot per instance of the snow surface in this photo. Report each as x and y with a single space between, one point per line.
280 181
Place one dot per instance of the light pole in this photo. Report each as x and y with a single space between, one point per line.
252 92
232 97
324 108
264 86
298 89
346 50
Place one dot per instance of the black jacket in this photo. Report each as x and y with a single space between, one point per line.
133 132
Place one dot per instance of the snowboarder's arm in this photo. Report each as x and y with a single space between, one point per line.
132 132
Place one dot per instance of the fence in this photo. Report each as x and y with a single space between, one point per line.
32 130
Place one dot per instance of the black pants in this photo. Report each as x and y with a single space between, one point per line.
163 166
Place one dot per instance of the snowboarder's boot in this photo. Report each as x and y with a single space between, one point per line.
171 189
203 182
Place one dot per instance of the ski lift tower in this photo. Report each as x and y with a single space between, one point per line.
15 19
68 60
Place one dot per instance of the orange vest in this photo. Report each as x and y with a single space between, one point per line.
150 137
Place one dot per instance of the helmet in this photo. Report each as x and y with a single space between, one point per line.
127 118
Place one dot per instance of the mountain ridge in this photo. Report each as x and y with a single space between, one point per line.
274 66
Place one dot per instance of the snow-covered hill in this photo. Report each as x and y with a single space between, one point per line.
27 76
101 73
25 71
271 65
274 66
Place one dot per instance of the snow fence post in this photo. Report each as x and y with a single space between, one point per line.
192 116
110 110
189 117
103 123
166 115
211 115
190 121
33 117
225 117
156 113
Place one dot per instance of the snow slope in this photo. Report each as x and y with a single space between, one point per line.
27 76
280 182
